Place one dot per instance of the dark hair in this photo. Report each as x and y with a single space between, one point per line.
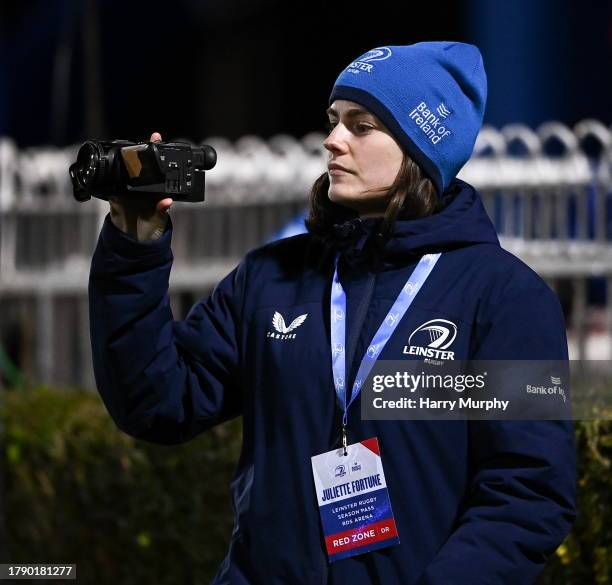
411 195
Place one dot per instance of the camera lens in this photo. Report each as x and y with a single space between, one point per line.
89 170
87 164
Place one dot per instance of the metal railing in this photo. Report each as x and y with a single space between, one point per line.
554 211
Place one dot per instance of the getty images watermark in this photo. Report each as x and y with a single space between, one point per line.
488 390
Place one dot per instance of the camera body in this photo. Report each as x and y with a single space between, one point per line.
121 168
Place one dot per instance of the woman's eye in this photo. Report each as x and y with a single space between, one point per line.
360 128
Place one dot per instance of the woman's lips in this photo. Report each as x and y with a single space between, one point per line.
336 169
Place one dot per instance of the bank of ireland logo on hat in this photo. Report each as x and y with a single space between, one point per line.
432 124
367 61
443 111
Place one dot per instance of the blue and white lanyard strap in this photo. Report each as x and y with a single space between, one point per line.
338 331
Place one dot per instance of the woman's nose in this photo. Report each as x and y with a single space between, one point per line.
335 140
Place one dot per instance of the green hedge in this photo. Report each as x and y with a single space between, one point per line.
77 490
586 555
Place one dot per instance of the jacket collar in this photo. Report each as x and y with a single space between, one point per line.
462 221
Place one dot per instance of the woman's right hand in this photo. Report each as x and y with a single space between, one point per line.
141 219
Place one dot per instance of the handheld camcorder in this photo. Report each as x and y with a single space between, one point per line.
120 168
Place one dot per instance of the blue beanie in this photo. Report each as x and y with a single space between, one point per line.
431 96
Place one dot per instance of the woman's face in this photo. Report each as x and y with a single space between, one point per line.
370 155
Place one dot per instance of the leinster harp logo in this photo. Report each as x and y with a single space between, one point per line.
432 340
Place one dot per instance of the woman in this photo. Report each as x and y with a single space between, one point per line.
467 501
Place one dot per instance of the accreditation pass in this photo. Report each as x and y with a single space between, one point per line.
354 503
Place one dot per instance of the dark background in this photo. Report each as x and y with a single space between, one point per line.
71 69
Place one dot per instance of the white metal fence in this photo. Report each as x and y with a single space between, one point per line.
552 210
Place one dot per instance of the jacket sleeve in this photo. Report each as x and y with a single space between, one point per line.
161 380
521 502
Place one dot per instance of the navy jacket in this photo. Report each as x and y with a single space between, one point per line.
475 502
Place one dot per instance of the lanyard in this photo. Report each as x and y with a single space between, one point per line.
338 331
